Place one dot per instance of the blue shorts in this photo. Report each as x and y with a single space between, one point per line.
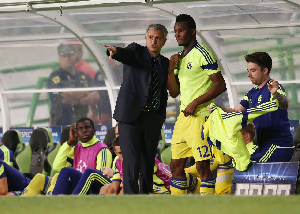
270 152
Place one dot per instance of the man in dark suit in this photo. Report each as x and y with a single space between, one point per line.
141 106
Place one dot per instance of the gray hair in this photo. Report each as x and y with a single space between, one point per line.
158 27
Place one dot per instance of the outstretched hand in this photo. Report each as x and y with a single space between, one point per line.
112 50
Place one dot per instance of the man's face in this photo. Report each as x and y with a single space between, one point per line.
184 34
85 131
256 74
118 152
154 41
68 62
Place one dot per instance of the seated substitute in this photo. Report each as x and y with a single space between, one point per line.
89 152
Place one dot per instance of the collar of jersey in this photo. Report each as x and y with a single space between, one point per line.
92 142
190 49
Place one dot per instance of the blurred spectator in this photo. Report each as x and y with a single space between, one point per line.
68 107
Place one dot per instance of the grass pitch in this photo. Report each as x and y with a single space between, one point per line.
151 204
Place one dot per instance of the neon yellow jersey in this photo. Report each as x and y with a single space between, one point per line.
193 73
223 130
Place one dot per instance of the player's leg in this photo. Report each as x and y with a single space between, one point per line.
202 153
180 152
39 184
91 182
67 179
193 184
224 181
52 185
178 183
272 153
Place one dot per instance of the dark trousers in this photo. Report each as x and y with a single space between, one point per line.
139 141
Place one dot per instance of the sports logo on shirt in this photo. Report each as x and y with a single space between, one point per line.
259 99
189 65
56 79
81 167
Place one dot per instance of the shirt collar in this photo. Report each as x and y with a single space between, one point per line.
92 142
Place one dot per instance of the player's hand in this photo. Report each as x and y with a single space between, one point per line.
112 50
72 135
190 109
107 171
273 87
174 61
209 109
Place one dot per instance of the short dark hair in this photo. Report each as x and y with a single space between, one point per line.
262 59
250 128
84 119
158 27
116 142
187 19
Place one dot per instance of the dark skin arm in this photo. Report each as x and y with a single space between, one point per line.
73 135
173 82
218 88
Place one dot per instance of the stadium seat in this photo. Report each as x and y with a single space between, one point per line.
50 153
13 140
166 156
31 159
296 156
161 145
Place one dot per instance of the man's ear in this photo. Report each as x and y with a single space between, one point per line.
194 31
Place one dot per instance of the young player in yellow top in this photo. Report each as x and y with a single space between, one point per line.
195 75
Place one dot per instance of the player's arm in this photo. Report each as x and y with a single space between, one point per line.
104 159
218 88
278 94
239 107
173 82
3 186
114 188
65 154
3 181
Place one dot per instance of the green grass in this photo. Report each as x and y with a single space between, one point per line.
149 204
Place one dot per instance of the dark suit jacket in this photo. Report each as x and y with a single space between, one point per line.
137 72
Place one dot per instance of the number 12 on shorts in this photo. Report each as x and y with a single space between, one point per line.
205 151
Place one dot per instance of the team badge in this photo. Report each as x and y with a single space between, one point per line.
81 167
259 99
189 65
83 77
56 79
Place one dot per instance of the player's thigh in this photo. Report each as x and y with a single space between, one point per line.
180 148
201 150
